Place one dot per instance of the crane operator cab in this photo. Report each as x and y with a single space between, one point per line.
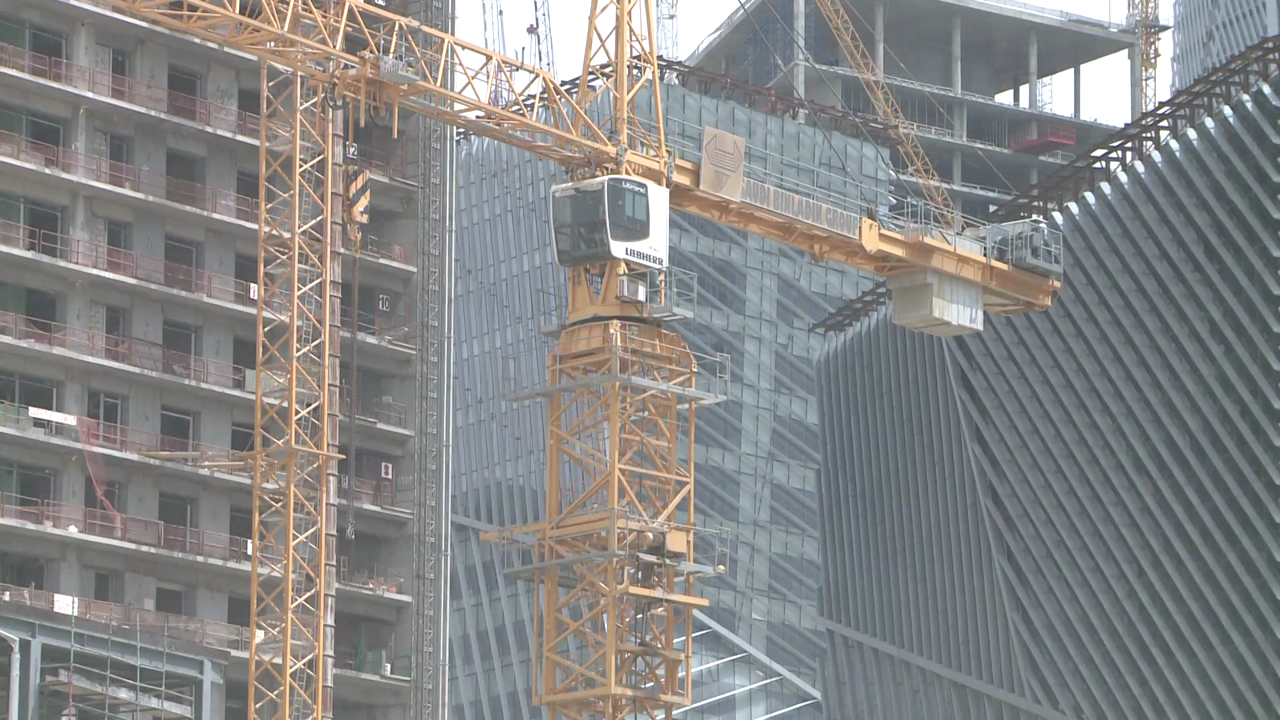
615 217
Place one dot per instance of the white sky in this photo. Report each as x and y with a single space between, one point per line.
1106 95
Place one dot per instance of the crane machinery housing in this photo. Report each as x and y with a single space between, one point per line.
613 559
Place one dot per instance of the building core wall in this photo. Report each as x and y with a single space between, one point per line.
756 453
1072 512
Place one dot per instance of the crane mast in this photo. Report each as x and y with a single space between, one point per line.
613 560
540 37
495 36
1144 15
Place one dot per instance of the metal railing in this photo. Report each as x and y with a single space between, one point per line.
118 87
388 325
166 536
608 356
136 530
378 248
129 620
384 410
106 435
137 442
210 633
138 353
227 203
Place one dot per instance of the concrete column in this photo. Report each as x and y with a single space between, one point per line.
959 113
1033 72
1135 82
879 33
1075 77
798 64
33 676
957 167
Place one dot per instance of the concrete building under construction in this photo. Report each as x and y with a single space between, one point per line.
128 293
1072 514
972 77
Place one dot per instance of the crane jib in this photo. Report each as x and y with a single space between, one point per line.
723 172
801 208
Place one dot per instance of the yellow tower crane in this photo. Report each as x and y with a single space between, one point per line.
612 560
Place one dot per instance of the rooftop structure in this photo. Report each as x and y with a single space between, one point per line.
128 292
945 61
1207 33
1070 515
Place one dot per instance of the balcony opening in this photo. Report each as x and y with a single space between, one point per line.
108 586
179 517
25 485
177 430
108 410
181 347
23 392
247 196
184 94
48 43
41 312
40 225
241 525
115 331
242 437
176 510
106 407
185 180
170 600
27 313
46 134
238 611
112 492
117 234
118 151
22 571
249 100
181 259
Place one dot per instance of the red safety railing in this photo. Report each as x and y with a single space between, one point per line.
128 263
136 530
129 619
109 435
118 87
122 175
141 354
166 536
123 439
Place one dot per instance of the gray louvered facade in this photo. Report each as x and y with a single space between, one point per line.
1207 33
759 645
1073 514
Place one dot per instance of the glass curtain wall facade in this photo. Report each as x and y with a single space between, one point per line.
1072 514
1208 32
757 454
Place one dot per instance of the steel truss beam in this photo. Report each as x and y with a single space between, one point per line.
291 653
